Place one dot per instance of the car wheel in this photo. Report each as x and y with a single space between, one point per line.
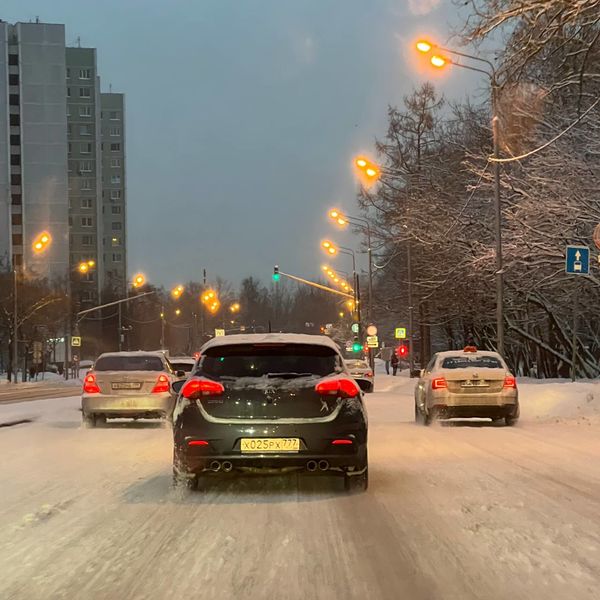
89 421
357 483
510 421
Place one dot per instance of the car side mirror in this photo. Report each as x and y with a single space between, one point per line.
180 373
177 385
364 384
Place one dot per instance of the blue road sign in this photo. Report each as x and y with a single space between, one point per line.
577 260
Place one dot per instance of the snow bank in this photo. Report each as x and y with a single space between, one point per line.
559 399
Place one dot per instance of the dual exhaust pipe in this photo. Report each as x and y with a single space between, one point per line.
225 466
313 465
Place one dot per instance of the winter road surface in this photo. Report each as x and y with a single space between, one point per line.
453 512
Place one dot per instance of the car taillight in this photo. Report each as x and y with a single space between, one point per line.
196 387
342 442
510 382
369 374
162 385
439 383
89 384
345 388
197 443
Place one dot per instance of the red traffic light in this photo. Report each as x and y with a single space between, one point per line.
402 351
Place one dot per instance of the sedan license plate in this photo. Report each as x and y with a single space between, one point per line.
126 385
269 445
475 383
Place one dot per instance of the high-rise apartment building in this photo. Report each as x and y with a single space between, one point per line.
33 147
113 190
85 173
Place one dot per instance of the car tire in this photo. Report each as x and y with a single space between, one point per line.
510 421
89 421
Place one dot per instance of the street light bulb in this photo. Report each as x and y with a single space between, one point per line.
371 172
83 267
38 245
334 214
331 250
341 221
361 163
177 311
439 62
326 244
91 263
424 46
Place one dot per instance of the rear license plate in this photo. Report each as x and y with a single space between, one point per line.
269 445
125 385
476 383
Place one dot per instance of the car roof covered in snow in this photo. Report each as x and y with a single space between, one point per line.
188 359
462 353
270 338
134 353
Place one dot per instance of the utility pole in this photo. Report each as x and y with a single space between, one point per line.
498 211
15 359
411 356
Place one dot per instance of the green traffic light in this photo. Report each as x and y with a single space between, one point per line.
276 276
356 347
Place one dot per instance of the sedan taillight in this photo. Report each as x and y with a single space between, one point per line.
196 387
89 384
510 381
439 383
162 385
344 388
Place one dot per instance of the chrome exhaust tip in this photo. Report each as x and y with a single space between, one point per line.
227 467
323 465
311 465
215 466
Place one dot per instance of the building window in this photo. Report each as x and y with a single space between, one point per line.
85 73
115 179
13 79
117 257
68 111
114 115
117 226
115 210
68 92
15 160
70 149
86 203
115 241
85 92
115 131
68 73
17 239
86 148
85 130
115 163
85 111
15 140
15 179
15 120
13 99
115 147
115 194
13 59
87 240
86 184
17 219
86 222
16 199
85 166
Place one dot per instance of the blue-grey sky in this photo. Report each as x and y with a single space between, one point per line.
243 117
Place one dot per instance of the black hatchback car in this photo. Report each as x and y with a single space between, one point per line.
270 401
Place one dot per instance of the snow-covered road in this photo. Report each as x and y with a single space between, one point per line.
452 512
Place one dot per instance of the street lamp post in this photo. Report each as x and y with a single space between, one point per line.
439 62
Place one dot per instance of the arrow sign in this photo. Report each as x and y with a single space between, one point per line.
577 260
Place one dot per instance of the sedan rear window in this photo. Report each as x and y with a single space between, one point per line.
269 360
182 366
129 363
471 362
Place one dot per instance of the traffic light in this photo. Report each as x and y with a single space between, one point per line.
276 275
356 345
402 351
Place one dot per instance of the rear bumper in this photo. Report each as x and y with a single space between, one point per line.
477 411
143 405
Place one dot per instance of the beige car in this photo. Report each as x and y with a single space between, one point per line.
465 384
128 385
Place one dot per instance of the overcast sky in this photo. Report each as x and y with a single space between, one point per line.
243 117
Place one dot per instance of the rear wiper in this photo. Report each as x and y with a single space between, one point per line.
289 375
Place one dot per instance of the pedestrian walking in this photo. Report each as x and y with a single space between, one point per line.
394 362
386 357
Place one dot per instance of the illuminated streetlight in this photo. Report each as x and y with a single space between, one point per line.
235 307
41 242
439 62
368 170
329 247
177 291
177 311
138 280
424 46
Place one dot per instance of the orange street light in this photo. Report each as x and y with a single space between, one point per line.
235 307
83 267
177 311
138 280
41 242
439 62
329 247
177 291
368 169
338 217
424 46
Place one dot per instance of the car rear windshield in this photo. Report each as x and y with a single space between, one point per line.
269 360
471 362
356 364
182 366
129 363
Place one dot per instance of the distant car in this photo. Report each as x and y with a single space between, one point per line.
270 401
465 384
362 372
128 384
183 363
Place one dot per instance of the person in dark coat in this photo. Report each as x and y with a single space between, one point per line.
394 362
